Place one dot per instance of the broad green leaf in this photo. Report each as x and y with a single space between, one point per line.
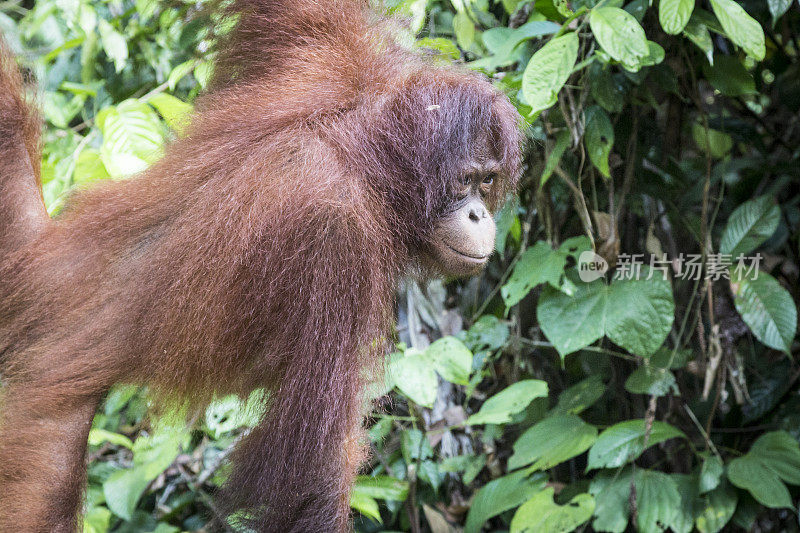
445 47
499 408
620 36
658 501
729 77
777 8
96 520
179 72
541 514
552 441
767 309
580 396
573 322
651 380
151 456
176 113
599 138
605 88
539 264
624 442
414 376
686 484
98 436
674 14
765 485
504 54
133 137
749 225
464 29
772 460
89 167
740 27
716 509
655 55
548 71
451 359
640 312
611 491
488 333
114 44
365 505
382 487
697 32
710 474
500 495
714 142
553 159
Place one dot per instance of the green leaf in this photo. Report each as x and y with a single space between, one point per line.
552 441
674 14
636 314
599 138
382 487
697 32
114 44
749 225
151 456
504 54
573 322
657 499
511 400
620 36
488 333
640 312
365 505
539 264
710 474
715 142
500 495
580 396
624 442
548 71
716 509
96 520
553 159
451 359
176 113
740 27
542 514
651 380
464 29
133 137
729 77
89 167
414 376
772 460
98 436
605 88
611 491
777 8
767 309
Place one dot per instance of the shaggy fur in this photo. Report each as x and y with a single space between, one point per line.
261 251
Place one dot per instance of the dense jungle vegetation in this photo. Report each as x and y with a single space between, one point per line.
650 386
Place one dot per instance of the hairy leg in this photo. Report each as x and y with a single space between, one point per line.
42 469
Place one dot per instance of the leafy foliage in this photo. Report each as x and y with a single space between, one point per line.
527 400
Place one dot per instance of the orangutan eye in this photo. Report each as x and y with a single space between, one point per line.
488 180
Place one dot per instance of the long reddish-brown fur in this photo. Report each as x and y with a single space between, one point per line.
261 251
